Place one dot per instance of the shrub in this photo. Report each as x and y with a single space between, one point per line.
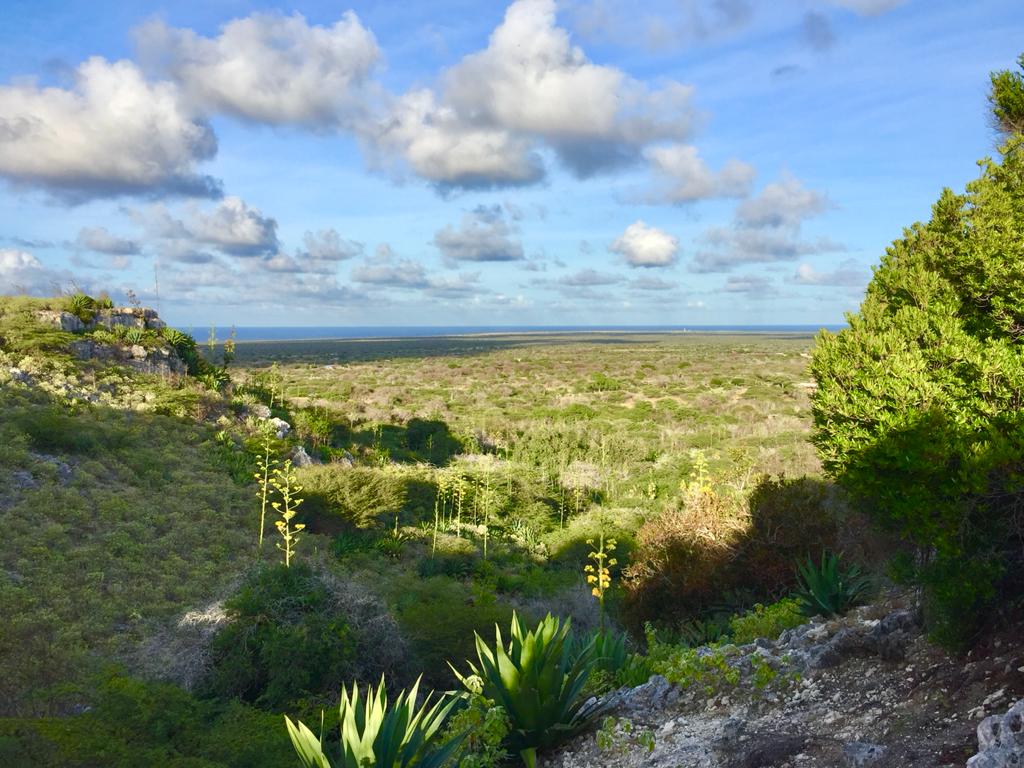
828 590
681 563
284 642
359 497
917 410
789 517
539 682
767 621
82 306
400 735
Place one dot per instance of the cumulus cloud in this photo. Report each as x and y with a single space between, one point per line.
589 278
482 235
230 227
112 133
442 147
684 177
754 286
686 21
234 228
23 273
269 68
403 273
784 203
848 274
99 240
530 89
652 284
328 245
766 229
646 246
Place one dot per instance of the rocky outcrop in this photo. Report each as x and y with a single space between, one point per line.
142 318
160 361
1001 740
863 691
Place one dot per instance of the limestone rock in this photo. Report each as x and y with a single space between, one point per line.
63 321
1001 740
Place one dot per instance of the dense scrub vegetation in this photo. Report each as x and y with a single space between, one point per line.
918 407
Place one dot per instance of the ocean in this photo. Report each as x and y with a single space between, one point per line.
296 333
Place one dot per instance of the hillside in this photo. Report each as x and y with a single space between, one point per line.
464 479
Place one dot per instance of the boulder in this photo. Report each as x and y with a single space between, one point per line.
1001 740
63 321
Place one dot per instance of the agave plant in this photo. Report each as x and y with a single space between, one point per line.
826 589
375 734
539 680
608 649
134 335
82 306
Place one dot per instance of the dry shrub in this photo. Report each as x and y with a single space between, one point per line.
681 563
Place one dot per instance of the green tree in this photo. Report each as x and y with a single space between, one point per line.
1007 98
917 410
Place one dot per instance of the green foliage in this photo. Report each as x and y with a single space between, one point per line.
286 642
355 496
826 589
484 726
81 306
131 723
917 410
617 734
539 683
1006 98
766 621
374 733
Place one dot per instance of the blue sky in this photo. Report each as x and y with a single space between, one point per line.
459 163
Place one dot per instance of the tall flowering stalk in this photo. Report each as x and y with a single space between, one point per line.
599 572
284 483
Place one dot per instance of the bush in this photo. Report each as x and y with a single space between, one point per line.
789 518
767 621
284 643
828 590
360 497
682 559
917 410
132 723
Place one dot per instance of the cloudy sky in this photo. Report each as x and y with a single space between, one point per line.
465 162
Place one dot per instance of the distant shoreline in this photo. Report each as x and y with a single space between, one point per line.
258 334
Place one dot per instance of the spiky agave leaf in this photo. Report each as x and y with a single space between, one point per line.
539 679
373 733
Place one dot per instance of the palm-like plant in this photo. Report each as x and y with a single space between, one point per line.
375 734
82 306
539 680
826 589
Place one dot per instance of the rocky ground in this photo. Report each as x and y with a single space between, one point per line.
863 690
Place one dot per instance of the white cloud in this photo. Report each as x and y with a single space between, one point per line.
234 228
23 273
645 246
848 274
403 273
652 284
784 203
441 147
269 68
730 247
589 278
530 89
98 239
754 286
328 245
684 177
483 235
111 134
